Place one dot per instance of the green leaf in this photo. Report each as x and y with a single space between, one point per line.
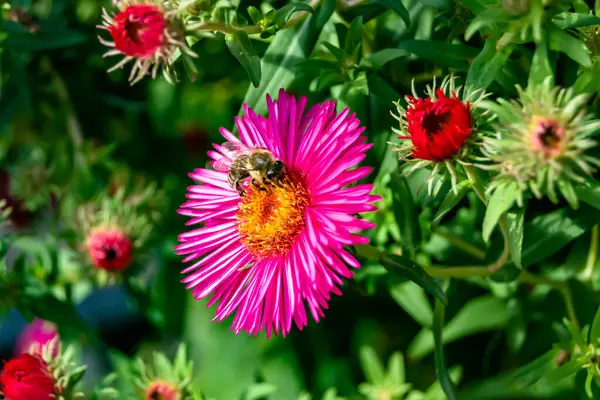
405 268
284 13
568 20
435 391
589 194
440 362
371 366
398 8
255 15
540 65
45 306
515 221
595 331
180 360
259 391
489 17
314 67
282 370
380 88
163 367
576 334
396 373
336 51
481 314
330 394
233 360
30 246
575 49
549 233
382 57
513 385
516 330
289 47
501 201
354 36
443 53
405 213
488 63
413 300
441 4
450 201
240 46
564 371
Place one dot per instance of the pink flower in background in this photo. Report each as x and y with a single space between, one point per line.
37 334
277 248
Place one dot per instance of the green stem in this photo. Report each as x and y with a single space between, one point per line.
499 263
458 272
367 251
73 126
465 272
592 256
461 244
473 176
562 287
221 27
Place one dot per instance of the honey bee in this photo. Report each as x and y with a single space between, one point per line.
249 162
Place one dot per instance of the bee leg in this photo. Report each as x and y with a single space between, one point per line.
258 186
240 189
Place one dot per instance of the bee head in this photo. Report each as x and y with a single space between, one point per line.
276 170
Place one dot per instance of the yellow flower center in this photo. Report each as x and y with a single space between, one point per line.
272 215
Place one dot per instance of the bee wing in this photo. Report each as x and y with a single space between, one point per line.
222 164
232 150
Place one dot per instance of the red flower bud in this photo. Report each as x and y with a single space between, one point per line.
161 390
26 377
146 32
437 128
109 249
139 30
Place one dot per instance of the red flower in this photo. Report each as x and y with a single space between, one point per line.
139 30
437 128
109 249
26 378
161 390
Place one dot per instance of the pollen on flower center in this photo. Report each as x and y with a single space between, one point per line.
270 217
547 136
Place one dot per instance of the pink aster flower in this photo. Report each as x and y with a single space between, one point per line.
279 248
